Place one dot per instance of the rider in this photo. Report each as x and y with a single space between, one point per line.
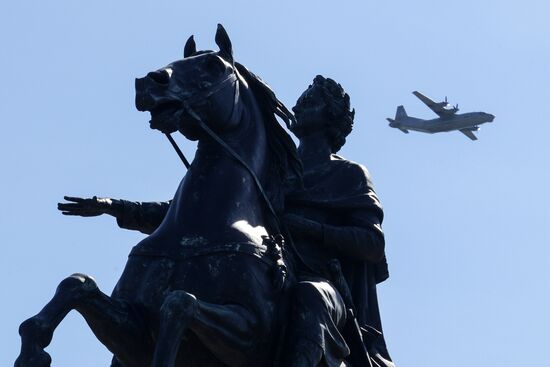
336 216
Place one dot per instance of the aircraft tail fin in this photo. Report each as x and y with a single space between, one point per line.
400 113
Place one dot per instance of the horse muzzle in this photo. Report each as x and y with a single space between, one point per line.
144 95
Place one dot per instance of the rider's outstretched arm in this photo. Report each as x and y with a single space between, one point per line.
144 217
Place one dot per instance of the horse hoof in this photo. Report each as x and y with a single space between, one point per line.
35 330
38 359
35 336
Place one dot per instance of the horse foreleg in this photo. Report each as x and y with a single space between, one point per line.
176 313
112 322
226 330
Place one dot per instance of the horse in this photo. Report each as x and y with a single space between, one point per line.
204 288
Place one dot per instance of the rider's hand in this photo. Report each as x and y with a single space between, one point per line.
87 207
303 226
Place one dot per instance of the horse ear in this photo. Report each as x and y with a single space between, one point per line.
224 43
190 47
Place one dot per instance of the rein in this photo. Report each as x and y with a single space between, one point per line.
276 223
217 87
239 159
186 104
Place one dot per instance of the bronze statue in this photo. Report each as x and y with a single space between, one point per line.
211 266
335 222
214 283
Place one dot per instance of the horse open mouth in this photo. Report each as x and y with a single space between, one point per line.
164 109
165 113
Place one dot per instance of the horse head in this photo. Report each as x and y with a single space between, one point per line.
208 92
203 85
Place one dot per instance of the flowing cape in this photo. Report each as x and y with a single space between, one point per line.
346 186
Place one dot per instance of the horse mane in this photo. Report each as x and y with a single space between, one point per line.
285 173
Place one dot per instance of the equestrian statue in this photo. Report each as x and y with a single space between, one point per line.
267 255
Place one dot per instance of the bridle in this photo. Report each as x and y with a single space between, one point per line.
230 79
186 105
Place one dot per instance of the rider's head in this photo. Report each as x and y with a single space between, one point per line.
324 106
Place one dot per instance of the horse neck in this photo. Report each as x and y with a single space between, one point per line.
219 190
248 139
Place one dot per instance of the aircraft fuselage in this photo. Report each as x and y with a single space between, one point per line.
469 121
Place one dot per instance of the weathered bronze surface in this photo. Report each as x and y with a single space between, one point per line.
255 261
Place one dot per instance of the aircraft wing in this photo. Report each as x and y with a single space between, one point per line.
438 108
469 133
427 101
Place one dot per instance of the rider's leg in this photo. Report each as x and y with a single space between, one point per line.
226 330
317 314
111 320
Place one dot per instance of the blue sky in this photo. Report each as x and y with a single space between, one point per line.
466 222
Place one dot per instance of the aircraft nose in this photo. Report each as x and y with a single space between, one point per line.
491 117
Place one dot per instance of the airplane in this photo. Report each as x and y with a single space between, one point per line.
448 119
